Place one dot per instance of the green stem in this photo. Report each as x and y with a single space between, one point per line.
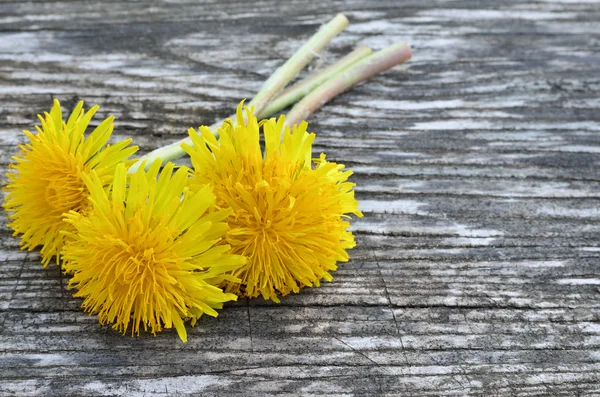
294 93
355 74
297 62
270 88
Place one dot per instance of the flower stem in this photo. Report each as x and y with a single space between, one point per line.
278 80
294 93
379 62
297 62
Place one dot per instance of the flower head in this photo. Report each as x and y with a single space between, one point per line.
47 179
146 253
290 214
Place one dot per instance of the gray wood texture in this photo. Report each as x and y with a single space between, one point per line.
477 267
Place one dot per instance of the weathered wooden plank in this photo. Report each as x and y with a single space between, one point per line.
476 271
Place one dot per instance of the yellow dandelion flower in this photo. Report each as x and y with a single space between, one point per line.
290 214
47 179
146 253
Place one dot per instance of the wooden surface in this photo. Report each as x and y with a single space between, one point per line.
477 266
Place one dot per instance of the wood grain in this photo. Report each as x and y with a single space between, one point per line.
477 267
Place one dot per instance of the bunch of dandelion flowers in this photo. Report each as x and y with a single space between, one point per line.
147 253
47 179
290 214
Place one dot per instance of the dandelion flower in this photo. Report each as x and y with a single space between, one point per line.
290 213
146 253
47 179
